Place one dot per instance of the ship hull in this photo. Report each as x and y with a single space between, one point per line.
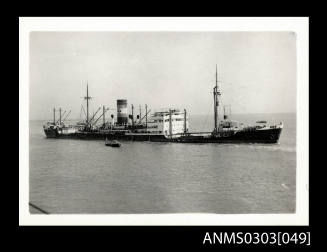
51 133
255 136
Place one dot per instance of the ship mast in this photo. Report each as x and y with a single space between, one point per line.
103 114
87 98
54 116
59 116
132 115
146 117
216 93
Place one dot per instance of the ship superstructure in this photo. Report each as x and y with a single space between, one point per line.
170 122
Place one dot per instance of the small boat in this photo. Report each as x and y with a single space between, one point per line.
261 121
112 143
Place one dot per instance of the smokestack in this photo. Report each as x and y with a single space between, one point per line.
122 117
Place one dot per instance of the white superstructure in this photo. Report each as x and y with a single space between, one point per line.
168 122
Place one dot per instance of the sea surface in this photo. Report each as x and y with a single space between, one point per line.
85 176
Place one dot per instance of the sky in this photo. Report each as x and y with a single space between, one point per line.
256 71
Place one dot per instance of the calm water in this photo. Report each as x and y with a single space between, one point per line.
84 176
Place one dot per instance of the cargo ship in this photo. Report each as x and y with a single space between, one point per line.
167 125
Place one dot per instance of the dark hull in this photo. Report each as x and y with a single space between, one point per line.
51 133
255 136
95 135
113 145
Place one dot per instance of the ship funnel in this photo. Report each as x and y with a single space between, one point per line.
122 117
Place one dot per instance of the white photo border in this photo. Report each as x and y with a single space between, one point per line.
299 25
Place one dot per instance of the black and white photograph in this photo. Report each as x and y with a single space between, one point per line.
163 122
